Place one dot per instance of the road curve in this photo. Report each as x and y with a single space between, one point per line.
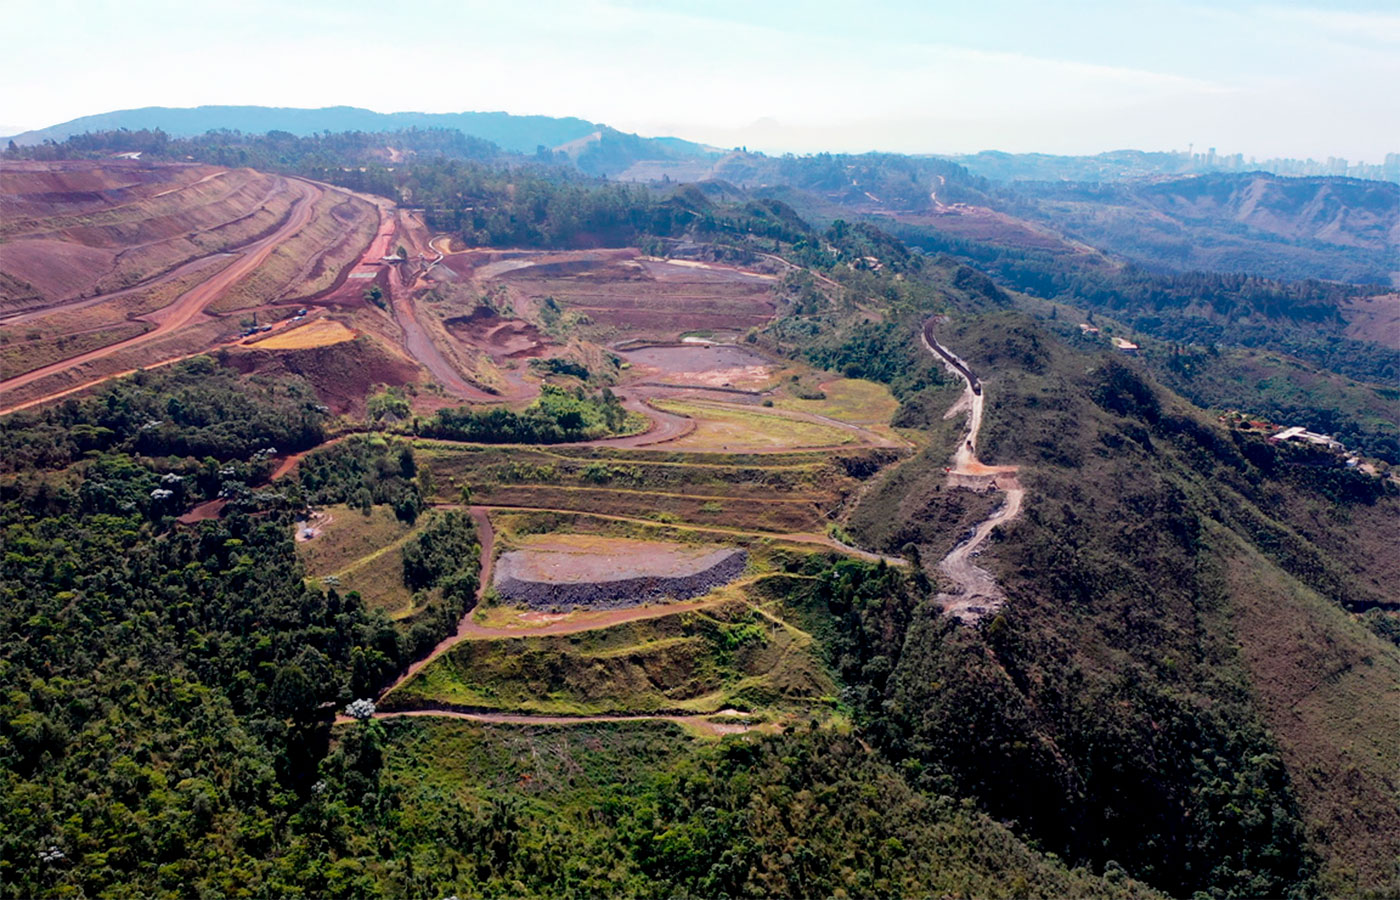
421 347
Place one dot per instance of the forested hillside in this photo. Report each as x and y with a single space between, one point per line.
1187 685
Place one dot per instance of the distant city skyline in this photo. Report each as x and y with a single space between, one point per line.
1269 80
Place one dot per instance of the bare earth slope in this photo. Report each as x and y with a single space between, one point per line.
108 266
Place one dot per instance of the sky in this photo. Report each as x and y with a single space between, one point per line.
1299 79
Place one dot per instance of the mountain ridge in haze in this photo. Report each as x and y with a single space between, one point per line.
520 134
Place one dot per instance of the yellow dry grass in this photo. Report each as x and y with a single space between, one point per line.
317 333
849 400
732 428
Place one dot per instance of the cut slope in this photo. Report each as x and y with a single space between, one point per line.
567 571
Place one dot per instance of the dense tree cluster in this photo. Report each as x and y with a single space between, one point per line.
364 470
193 408
557 416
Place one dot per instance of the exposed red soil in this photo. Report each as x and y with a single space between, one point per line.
343 375
211 261
66 256
621 289
500 337
193 302
30 188
210 509
353 281
699 365
983 224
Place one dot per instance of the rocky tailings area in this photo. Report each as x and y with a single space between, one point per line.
522 576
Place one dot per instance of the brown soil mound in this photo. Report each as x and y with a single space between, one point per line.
620 290
342 374
29 188
700 365
500 337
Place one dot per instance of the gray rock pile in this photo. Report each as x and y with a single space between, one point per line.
719 568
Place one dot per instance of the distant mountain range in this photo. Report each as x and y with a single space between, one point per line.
519 134
600 149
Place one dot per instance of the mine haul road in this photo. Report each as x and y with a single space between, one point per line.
976 593
188 305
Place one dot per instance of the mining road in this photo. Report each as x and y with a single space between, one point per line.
975 592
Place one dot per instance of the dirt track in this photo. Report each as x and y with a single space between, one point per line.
422 348
664 426
188 305
698 722
976 592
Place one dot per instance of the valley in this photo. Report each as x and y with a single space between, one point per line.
411 526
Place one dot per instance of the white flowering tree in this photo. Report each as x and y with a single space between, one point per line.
360 709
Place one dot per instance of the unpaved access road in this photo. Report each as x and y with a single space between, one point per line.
698 722
194 265
422 348
976 593
188 305
486 537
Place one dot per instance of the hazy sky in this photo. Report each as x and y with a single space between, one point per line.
1060 76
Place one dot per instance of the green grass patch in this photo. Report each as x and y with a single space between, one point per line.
363 553
695 662
733 428
851 400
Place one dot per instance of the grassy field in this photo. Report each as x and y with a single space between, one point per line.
726 656
655 455
317 333
736 429
475 763
795 495
766 554
524 465
785 515
362 553
851 400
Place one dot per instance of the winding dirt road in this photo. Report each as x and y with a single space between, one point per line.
976 593
187 306
698 722
422 348
665 426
